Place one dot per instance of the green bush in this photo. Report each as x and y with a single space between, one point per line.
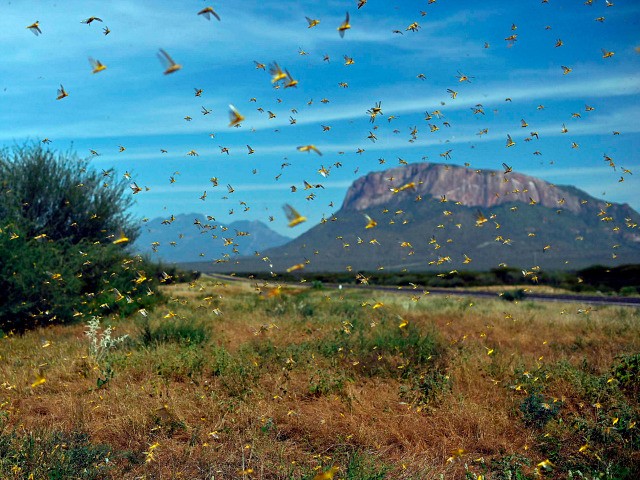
629 291
363 466
60 195
37 284
325 382
181 363
47 282
514 295
611 278
58 259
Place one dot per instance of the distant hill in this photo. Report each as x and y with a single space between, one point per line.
191 237
432 223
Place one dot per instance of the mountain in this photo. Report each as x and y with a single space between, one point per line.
473 188
190 237
428 219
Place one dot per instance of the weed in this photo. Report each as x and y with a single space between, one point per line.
238 374
267 425
510 467
608 471
219 361
426 388
627 372
53 456
538 410
363 467
357 465
186 331
605 421
385 350
180 363
500 366
324 382
101 342
347 309
100 346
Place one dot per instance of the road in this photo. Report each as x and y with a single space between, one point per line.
542 297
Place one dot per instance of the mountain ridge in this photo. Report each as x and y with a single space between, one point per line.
445 217
494 187
188 237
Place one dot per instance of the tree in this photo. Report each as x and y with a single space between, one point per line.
61 196
58 261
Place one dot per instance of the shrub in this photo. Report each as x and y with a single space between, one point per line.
47 282
514 295
60 195
325 382
362 466
37 284
426 388
181 363
629 291
58 260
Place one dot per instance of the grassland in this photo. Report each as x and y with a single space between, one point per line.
242 380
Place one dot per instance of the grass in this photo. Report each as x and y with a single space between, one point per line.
285 382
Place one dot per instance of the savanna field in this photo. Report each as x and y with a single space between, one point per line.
219 226
243 379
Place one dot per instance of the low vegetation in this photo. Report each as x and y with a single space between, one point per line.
243 380
622 280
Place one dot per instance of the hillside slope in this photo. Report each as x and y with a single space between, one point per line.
427 218
190 237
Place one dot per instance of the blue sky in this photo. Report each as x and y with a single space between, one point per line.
132 104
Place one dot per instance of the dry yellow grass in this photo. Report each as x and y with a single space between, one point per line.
290 381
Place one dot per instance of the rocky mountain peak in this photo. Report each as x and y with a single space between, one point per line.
472 188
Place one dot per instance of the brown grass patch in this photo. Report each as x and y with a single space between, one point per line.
302 379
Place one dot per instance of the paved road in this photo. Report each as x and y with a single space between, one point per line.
544 297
